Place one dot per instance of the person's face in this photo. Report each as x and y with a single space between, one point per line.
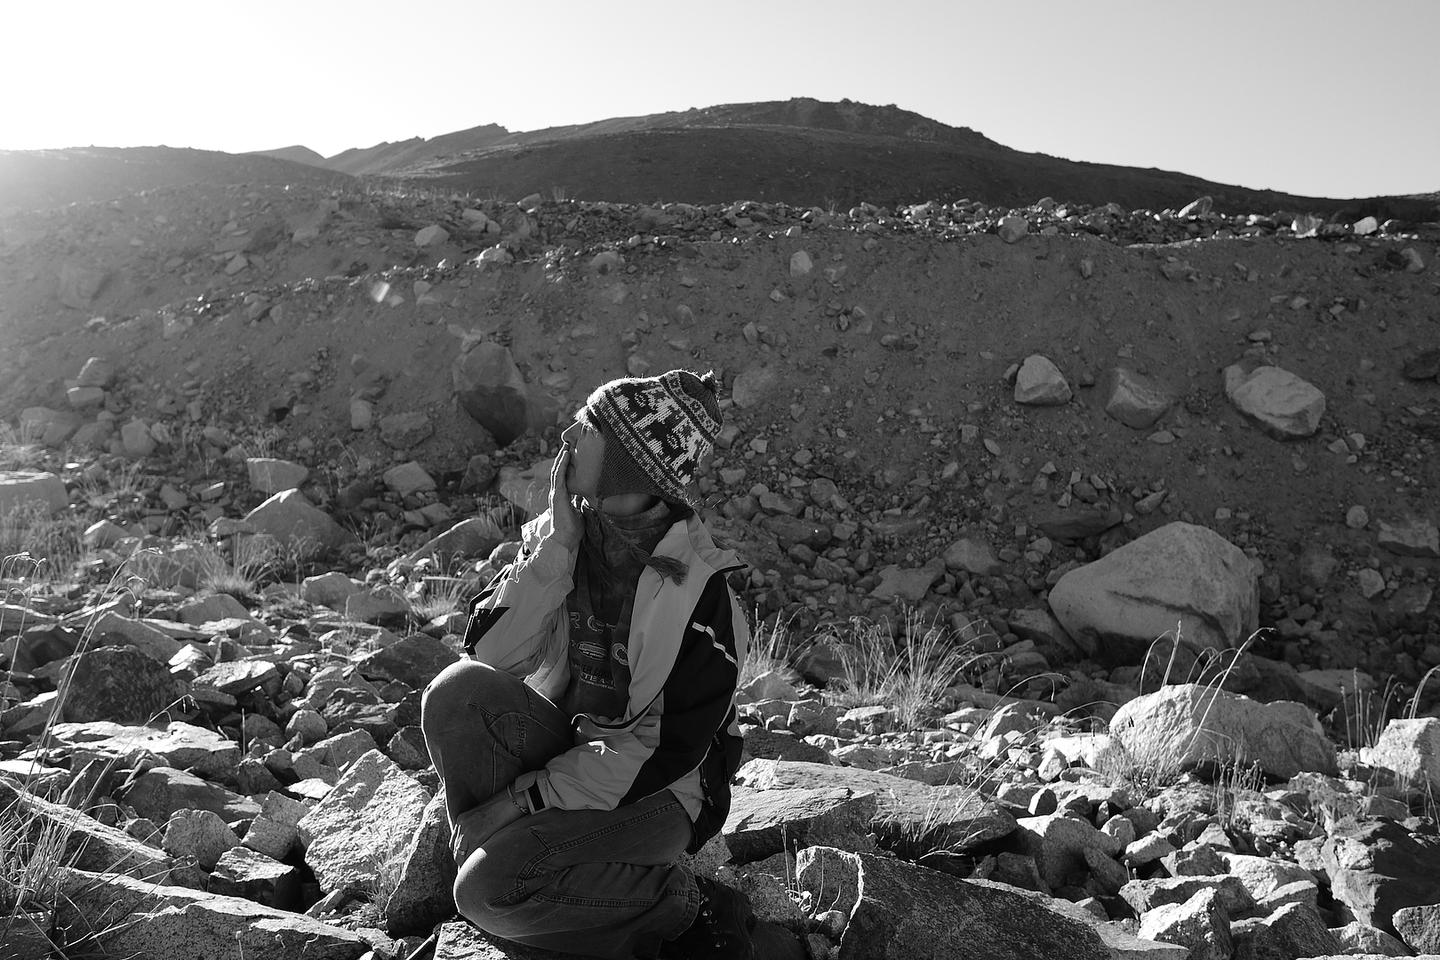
587 453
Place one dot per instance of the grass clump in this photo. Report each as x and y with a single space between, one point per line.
910 673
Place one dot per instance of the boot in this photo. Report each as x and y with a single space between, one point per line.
776 942
721 930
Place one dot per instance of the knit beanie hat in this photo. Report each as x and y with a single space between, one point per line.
657 430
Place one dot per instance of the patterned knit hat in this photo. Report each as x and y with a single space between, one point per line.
658 430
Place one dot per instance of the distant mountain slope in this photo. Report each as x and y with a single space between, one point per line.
388 157
809 152
36 179
295 154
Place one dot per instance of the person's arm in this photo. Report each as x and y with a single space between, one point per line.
513 621
680 696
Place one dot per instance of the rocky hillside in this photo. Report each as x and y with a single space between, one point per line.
803 152
1008 448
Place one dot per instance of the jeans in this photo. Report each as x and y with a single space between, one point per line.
601 883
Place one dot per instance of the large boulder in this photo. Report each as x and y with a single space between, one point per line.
470 539
1284 405
1178 578
1187 725
297 523
901 911
492 390
159 793
364 825
763 823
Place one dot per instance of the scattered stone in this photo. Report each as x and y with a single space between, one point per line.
1013 228
1409 537
199 835
162 791
413 661
180 745
268 475
1135 400
973 555
297 524
1284 405
1040 383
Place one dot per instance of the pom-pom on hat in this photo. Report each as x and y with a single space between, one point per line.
665 426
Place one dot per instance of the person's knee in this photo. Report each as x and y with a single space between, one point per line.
460 684
488 885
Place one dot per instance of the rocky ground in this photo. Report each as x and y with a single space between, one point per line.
296 421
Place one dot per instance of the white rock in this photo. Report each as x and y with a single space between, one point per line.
1411 748
365 822
1182 726
800 264
431 236
1366 226
1179 575
1283 404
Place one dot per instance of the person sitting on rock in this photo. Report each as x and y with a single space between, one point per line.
591 738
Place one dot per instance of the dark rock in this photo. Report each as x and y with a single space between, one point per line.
414 661
120 684
765 822
900 911
1294 930
1077 523
1379 866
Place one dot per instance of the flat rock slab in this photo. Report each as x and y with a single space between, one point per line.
1410 537
90 844
460 940
764 822
1178 577
268 475
954 816
179 922
1188 725
900 911
180 745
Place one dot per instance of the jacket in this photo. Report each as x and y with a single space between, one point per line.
686 644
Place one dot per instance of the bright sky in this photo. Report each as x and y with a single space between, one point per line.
1330 98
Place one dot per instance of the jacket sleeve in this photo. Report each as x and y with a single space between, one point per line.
680 695
515 623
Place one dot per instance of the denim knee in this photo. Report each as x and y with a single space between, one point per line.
489 882
458 685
